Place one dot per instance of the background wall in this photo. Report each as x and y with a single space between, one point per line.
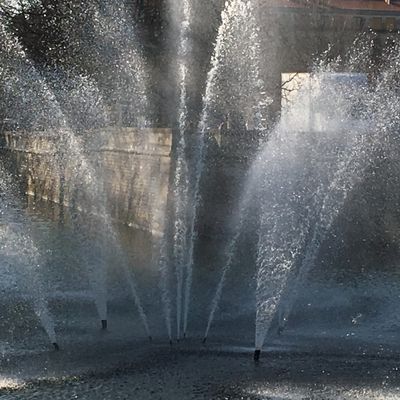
134 164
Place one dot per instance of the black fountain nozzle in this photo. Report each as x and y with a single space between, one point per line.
184 335
150 339
56 346
171 342
257 355
204 340
104 324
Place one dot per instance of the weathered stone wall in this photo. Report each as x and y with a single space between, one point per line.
133 164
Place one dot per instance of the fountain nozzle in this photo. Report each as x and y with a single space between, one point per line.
170 342
257 355
104 324
150 339
204 340
56 346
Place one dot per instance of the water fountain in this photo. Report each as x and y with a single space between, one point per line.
306 174
182 14
229 48
19 251
57 111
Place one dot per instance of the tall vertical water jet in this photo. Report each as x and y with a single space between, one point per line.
181 12
238 43
182 178
117 37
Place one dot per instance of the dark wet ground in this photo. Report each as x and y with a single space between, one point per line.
342 342
163 373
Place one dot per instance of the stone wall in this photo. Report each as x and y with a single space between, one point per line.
133 164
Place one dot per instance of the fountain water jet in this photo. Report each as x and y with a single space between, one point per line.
238 20
70 151
18 248
296 219
181 178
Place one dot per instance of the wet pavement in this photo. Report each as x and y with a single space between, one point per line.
171 373
339 344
